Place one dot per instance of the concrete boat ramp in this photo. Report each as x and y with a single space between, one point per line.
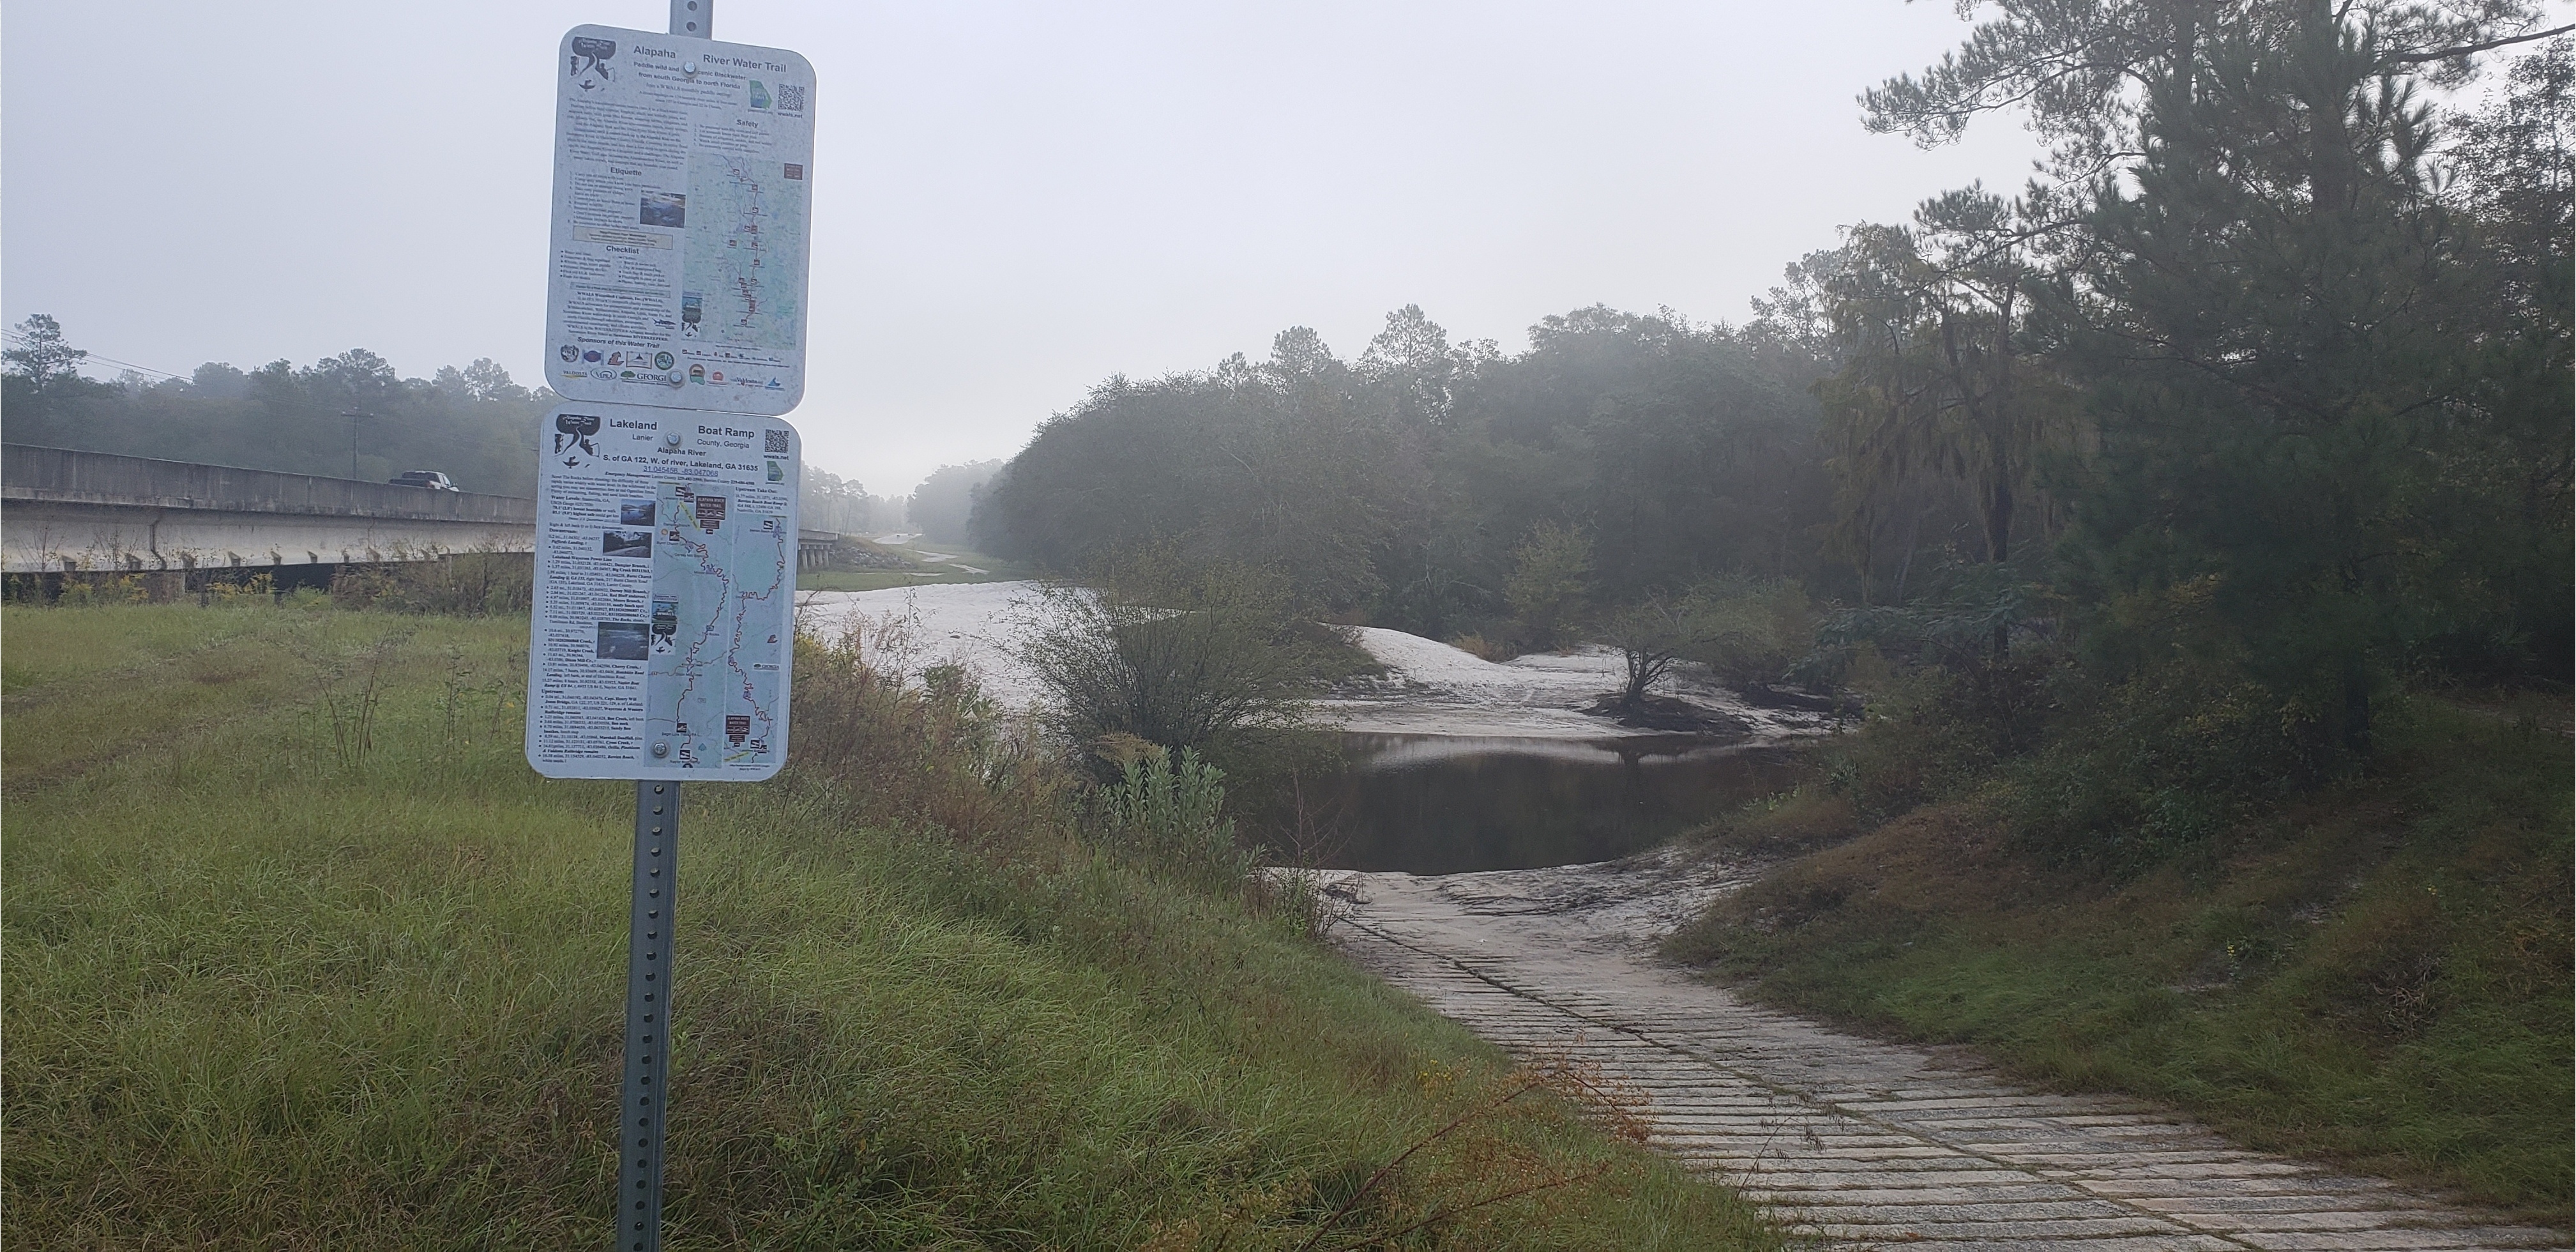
1857 1143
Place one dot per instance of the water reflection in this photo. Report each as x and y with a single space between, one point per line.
1434 804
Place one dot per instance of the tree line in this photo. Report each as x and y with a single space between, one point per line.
2257 396
344 416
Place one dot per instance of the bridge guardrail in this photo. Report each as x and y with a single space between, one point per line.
29 472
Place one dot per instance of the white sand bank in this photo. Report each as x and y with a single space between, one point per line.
1430 688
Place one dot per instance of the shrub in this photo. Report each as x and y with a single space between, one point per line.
1210 657
483 582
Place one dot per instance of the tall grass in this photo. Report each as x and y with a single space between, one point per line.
262 992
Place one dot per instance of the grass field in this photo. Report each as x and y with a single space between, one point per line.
2376 975
301 955
987 569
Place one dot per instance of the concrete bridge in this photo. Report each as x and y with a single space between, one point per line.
68 512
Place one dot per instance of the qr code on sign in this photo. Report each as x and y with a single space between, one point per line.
774 442
791 97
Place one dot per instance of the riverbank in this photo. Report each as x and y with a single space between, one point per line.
2374 974
302 956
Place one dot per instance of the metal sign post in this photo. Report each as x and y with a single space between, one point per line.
663 626
648 1014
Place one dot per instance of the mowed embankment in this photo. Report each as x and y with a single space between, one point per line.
302 955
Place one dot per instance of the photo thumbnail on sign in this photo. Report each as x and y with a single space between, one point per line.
623 641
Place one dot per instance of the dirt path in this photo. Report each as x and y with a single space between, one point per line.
1862 1143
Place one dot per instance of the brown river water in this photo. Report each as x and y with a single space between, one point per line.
1446 804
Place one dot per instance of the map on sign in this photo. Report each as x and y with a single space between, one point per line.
664 621
717 667
677 264
746 253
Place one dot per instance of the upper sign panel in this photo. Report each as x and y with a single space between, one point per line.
677 273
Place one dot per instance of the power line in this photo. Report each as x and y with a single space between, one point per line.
18 338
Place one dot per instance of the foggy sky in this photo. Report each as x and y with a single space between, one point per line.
1011 202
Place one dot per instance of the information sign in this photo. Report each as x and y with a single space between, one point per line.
665 597
676 277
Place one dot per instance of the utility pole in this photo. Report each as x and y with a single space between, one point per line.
353 415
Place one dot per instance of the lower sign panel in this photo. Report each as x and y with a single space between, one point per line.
665 599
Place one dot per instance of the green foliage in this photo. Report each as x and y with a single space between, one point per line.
474 424
2073 70
1745 630
1276 466
1207 656
2156 766
2324 451
2273 341
461 584
915 1007
1171 814
38 358
1937 377
82 593
1549 586
1751 629
1403 489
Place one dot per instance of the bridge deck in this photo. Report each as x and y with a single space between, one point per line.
68 511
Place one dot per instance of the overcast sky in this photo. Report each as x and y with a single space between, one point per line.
1011 202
